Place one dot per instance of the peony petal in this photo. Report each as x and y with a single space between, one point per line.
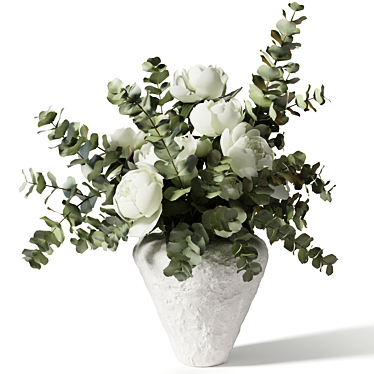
148 199
127 208
228 119
144 225
189 143
238 131
201 119
252 133
193 76
241 160
209 84
226 142
146 166
267 161
143 179
248 172
184 95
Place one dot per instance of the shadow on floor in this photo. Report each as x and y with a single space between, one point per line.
356 341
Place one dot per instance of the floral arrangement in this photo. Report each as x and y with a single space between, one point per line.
200 167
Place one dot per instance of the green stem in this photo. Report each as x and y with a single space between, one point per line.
163 142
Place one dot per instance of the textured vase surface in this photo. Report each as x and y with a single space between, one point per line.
202 315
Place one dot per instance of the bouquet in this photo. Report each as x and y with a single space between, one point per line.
201 166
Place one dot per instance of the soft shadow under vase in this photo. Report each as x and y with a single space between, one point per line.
202 315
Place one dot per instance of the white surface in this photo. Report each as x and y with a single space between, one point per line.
74 316
202 316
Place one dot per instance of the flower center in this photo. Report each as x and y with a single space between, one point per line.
257 147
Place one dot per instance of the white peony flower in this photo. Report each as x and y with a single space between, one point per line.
203 147
250 152
190 145
232 188
138 198
199 83
145 154
212 118
126 137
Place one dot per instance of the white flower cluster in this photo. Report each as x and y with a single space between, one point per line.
138 198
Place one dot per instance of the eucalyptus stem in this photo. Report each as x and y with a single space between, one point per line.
163 142
67 215
59 188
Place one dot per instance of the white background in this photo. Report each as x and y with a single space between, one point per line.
91 313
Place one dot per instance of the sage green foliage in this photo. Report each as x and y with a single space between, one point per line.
75 141
193 211
185 247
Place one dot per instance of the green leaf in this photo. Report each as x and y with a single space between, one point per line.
258 97
68 185
154 61
318 97
329 269
33 178
61 129
248 276
325 196
295 6
23 185
318 186
303 255
39 257
111 157
248 108
29 191
186 167
298 222
287 27
300 102
168 97
98 168
73 214
269 73
275 35
291 67
171 268
92 190
165 169
46 118
40 183
81 245
255 267
159 77
303 240
173 193
186 110
299 20
279 53
110 190
330 259
153 90
272 112
50 223
52 178
230 95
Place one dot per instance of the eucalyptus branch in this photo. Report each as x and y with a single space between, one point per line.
163 142
78 193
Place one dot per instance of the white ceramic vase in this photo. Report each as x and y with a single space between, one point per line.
202 315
